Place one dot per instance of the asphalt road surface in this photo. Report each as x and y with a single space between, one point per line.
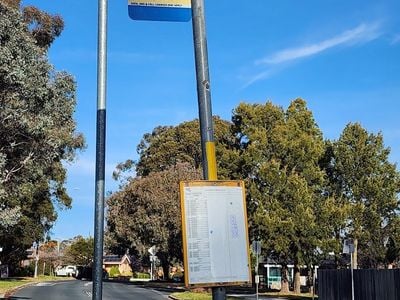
82 290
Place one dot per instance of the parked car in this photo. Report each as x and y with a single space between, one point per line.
65 271
86 273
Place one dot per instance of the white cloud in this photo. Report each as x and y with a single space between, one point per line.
271 64
360 34
257 77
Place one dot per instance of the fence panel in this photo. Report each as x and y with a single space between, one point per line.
368 284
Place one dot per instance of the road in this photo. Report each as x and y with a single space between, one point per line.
82 290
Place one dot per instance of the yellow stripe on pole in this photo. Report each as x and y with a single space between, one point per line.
211 161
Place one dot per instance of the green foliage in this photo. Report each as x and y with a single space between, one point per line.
114 271
141 275
168 145
9 216
392 252
146 212
150 201
304 194
80 252
37 133
362 177
25 271
279 159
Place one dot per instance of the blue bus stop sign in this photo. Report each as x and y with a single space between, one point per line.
160 10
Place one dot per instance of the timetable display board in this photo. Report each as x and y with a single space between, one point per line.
215 233
160 10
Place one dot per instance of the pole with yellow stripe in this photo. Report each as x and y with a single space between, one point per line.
204 101
203 91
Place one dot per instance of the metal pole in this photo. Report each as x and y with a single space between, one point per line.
35 275
352 274
257 278
203 91
100 151
313 283
151 269
204 102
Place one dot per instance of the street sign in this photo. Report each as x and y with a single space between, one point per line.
256 246
348 246
152 250
160 10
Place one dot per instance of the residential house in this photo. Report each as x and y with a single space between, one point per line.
122 263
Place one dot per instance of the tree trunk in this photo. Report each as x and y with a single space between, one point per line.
284 279
296 286
165 267
355 262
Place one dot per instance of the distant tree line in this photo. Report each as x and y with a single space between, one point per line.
51 254
305 195
37 129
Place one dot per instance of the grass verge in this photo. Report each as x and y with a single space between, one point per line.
9 284
290 296
194 296
207 296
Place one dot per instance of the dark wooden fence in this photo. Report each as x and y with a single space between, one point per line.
368 284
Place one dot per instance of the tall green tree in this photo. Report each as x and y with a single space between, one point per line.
280 153
369 183
166 155
37 130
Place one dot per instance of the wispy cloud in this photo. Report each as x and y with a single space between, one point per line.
270 64
257 77
360 34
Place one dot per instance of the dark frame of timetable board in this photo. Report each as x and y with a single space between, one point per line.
220 231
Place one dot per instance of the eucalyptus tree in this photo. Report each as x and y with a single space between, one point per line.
37 128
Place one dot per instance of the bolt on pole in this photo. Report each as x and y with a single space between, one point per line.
204 102
100 151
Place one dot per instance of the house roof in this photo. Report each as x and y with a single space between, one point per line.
115 259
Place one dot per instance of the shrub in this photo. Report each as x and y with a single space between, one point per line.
141 275
24 271
127 274
114 272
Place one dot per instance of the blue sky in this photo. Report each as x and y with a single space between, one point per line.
342 57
